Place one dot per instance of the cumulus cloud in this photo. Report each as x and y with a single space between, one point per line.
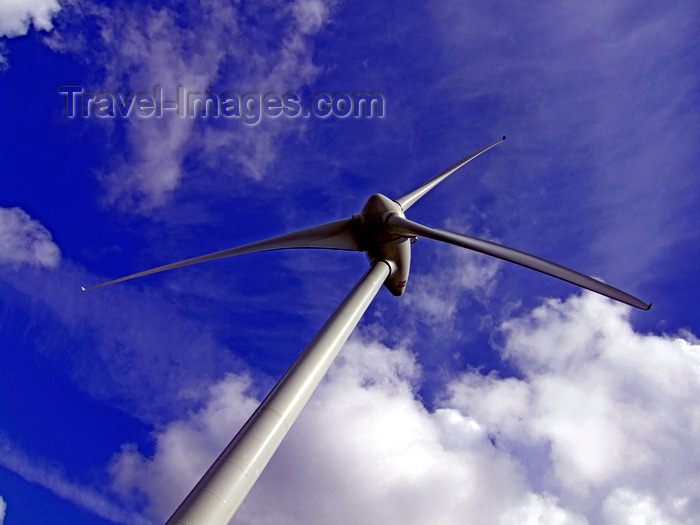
184 449
24 240
602 427
3 508
51 478
17 15
365 448
603 417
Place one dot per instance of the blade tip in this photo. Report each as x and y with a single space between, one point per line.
83 288
504 137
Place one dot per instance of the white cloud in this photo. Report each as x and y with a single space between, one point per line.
365 450
3 508
474 271
184 449
152 46
51 478
213 50
427 298
611 80
4 62
624 506
435 296
602 427
311 15
603 416
24 240
17 15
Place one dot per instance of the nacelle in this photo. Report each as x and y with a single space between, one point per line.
380 244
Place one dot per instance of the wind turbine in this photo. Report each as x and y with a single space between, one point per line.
381 230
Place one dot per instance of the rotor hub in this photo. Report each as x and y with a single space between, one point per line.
379 243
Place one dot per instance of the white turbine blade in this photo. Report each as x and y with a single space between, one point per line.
336 235
402 226
410 199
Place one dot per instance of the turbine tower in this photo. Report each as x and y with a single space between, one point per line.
381 230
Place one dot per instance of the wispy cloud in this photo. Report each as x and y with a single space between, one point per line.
16 16
51 478
121 349
130 346
457 272
147 47
605 91
24 240
207 47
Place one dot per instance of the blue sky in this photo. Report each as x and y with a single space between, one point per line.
486 394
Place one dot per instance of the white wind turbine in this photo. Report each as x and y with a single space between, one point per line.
382 231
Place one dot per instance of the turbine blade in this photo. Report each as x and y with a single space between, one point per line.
336 235
402 226
410 199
